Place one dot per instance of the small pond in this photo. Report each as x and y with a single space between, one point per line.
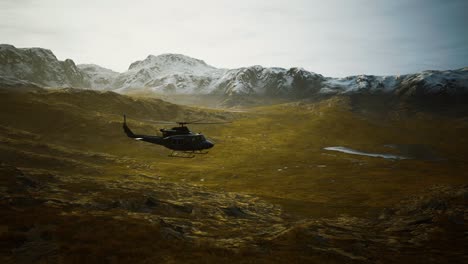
357 152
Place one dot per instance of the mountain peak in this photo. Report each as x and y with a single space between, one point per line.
7 46
176 57
170 64
169 60
33 51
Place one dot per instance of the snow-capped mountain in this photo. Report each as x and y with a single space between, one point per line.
450 82
173 73
267 81
39 66
180 74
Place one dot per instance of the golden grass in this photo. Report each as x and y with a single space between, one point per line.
273 151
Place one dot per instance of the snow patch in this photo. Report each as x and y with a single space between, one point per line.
357 152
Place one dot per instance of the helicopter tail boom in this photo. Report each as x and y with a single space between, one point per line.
151 139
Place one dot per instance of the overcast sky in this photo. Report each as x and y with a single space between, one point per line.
331 37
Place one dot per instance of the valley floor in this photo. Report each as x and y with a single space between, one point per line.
74 189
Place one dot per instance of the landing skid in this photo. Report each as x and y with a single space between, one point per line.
185 154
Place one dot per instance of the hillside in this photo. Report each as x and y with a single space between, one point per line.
76 189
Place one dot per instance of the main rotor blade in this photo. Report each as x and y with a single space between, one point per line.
208 123
196 122
159 122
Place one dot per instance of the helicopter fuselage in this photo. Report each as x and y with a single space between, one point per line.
187 142
178 138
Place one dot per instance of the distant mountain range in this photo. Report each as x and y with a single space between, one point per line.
180 74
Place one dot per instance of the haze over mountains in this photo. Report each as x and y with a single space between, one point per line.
180 74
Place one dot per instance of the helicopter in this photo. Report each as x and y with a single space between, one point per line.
177 138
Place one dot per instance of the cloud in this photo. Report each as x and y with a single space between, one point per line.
332 37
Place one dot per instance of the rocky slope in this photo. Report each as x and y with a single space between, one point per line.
429 227
420 228
38 66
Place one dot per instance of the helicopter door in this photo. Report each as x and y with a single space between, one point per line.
177 141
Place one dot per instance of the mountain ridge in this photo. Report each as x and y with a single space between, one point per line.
40 66
172 73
